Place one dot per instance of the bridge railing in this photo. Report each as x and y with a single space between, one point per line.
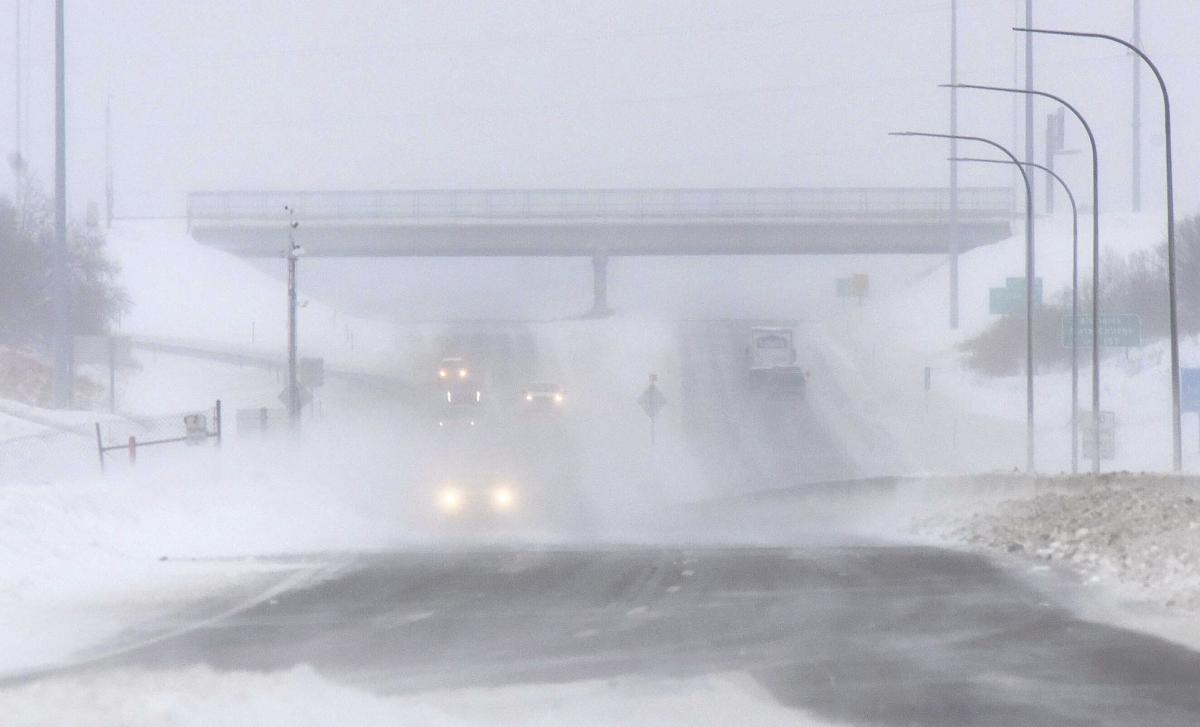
598 204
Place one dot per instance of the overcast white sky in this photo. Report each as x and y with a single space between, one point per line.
440 93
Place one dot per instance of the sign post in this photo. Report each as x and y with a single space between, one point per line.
312 372
652 402
1106 441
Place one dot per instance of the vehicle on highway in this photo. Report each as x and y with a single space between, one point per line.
544 396
453 368
771 349
476 498
788 380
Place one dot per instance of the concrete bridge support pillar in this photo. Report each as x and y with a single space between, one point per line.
600 307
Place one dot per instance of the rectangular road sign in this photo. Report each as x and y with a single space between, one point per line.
103 349
1189 390
1116 329
1010 299
855 286
860 284
311 372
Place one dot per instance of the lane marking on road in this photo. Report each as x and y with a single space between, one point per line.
398 620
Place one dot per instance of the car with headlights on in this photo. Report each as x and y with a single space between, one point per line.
544 396
453 368
476 500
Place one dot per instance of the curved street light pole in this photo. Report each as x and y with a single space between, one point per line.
1074 296
1176 431
1029 438
1095 256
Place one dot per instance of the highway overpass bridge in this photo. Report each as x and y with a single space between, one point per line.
599 223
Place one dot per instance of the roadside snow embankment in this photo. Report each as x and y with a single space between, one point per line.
1140 533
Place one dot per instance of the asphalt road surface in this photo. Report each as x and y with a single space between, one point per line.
751 438
863 634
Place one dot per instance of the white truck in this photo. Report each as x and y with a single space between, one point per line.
772 361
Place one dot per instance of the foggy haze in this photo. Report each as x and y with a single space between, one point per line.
366 95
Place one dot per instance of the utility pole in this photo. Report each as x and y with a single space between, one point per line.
953 166
1136 176
61 337
293 251
108 168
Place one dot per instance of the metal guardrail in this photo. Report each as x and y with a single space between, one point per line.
598 204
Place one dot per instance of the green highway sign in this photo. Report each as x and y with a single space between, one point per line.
1116 329
1010 299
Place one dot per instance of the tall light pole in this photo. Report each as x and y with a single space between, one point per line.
953 167
1074 297
61 336
16 158
1176 431
293 252
1029 277
1095 255
1136 172
1029 139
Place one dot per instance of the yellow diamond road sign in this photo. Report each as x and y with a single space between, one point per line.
652 401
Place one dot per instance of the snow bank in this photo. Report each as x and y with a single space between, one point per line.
301 697
1138 534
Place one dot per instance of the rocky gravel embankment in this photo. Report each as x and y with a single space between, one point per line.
1141 531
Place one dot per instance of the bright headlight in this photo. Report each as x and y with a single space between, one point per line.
558 398
529 397
462 373
443 373
450 500
503 498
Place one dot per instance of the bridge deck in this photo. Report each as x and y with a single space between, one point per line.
619 222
